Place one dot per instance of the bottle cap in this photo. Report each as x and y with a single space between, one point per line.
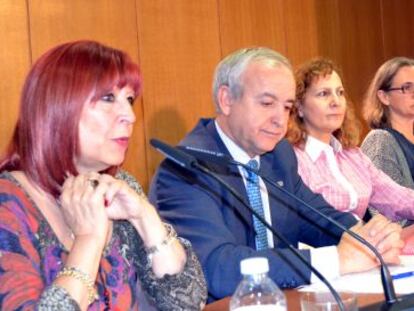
254 265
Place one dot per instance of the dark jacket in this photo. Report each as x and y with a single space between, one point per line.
221 228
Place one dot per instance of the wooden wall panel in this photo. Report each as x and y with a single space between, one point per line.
179 47
110 22
361 45
398 28
246 23
328 29
14 63
301 30
179 42
312 30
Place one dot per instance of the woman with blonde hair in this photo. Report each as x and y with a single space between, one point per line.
389 111
323 130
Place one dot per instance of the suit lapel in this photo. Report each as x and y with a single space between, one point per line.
230 175
276 204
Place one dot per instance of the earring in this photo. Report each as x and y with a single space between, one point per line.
300 113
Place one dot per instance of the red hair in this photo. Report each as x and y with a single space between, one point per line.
45 140
306 75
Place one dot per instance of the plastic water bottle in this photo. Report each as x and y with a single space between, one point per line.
257 292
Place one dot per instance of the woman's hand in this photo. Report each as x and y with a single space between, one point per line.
122 202
407 235
83 209
82 201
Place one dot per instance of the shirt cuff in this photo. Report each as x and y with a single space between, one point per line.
326 261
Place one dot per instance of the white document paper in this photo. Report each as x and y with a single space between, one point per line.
370 281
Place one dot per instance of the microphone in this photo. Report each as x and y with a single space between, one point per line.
391 300
209 156
181 158
190 162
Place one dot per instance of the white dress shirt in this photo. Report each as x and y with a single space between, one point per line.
314 148
241 156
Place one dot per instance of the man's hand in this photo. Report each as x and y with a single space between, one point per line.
407 235
382 234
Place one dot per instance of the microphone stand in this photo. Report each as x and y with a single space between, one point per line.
189 162
392 302
202 168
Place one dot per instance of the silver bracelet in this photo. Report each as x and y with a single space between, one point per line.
171 236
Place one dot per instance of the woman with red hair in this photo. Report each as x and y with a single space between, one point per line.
76 232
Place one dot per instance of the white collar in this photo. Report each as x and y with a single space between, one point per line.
236 152
314 147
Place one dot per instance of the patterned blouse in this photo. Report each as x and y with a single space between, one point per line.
31 256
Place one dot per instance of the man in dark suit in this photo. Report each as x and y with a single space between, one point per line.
254 90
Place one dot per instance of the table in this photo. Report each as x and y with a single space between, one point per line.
292 297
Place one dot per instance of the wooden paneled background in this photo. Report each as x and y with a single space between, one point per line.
178 43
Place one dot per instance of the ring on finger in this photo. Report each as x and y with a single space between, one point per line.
93 182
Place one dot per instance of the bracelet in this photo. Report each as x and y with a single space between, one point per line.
171 236
84 278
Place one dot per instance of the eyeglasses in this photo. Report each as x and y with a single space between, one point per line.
407 88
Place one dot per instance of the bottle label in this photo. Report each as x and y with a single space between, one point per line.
261 308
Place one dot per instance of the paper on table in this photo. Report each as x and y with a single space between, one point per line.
370 281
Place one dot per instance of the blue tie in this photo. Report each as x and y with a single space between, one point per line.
255 199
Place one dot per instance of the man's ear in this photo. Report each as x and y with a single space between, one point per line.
383 97
225 101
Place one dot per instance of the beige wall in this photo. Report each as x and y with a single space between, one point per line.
178 43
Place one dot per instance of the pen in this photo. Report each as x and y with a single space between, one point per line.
402 275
